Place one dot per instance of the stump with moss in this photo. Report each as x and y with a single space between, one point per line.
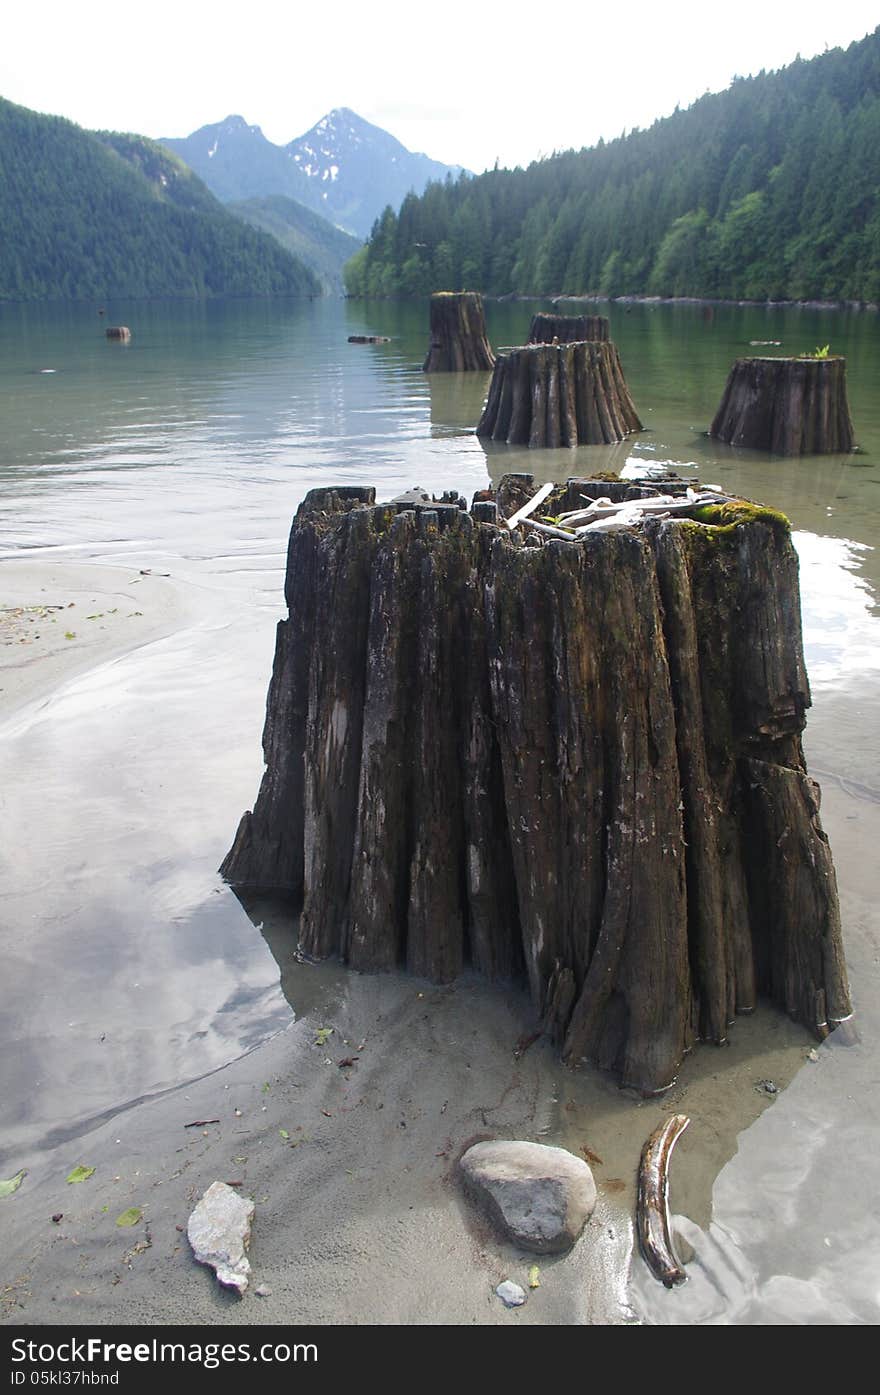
787 406
459 343
567 329
577 763
549 395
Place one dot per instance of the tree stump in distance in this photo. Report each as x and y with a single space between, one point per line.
549 395
574 763
786 406
567 329
458 334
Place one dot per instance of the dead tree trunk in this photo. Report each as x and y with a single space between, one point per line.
548 395
787 406
576 761
458 334
567 329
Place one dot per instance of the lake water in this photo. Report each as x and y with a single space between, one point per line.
128 967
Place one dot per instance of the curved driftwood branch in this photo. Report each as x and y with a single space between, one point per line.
652 1207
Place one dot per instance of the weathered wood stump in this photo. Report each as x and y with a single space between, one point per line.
787 406
576 762
567 329
549 395
459 343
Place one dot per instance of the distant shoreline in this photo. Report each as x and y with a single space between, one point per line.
596 298
592 298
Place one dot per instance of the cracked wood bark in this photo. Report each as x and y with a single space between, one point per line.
787 406
567 329
459 343
576 762
546 395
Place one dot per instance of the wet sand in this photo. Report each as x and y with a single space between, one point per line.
359 1218
58 619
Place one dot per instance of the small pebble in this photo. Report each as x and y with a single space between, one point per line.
263 1291
511 1295
812 1054
767 1087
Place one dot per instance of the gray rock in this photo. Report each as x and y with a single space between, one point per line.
219 1231
511 1295
541 1197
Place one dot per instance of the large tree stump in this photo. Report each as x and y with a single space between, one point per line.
579 762
549 395
787 406
458 334
567 329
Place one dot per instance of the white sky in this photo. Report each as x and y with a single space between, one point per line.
466 82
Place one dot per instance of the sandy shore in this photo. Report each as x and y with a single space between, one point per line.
359 1215
59 619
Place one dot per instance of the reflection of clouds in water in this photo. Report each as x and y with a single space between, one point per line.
840 619
120 798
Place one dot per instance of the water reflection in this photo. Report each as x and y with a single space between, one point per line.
307 984
457 401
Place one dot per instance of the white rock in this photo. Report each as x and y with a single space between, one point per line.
540 1196
219 1231
511 1295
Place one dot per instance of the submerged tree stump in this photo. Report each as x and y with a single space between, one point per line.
549 395
787 406
567 329
458 334
575 762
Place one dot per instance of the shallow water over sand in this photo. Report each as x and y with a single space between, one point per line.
129 967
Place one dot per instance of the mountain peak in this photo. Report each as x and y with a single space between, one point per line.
344 168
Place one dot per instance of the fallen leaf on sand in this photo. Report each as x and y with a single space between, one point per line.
131 1216
13 1184
534 1277
80 1174
590 1156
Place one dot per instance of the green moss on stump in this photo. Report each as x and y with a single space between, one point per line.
726 517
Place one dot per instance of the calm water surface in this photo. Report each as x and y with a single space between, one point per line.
128 967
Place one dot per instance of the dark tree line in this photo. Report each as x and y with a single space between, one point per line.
770 190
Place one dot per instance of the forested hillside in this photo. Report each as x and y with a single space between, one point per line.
768 190
97 216
319 245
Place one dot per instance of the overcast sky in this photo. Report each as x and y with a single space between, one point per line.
465 82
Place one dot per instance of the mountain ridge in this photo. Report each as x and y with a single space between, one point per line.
344 167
